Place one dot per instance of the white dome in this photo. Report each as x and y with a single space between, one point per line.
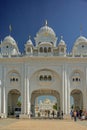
45 43
46 29
80 39
9 39
29 42
62 42
46 34
9 46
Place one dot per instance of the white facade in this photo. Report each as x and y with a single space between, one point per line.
44 69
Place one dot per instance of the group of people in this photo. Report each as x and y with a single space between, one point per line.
53 114
60 114
78 114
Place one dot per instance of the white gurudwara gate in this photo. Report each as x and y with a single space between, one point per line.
43 69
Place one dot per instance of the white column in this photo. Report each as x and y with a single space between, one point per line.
23 91
85 92
0 96
23 96
65 92
27 95
63 82
68 94
28 99
4 95
4 101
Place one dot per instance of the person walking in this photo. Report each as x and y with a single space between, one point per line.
53 113
71 114
75 115
61 114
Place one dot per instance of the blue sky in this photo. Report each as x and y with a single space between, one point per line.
27 16
44 97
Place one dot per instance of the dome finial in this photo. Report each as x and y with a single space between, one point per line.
10 29
81 30
29 37
61 37
46 23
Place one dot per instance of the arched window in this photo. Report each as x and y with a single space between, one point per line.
41 78
14 78
49 49
41 49
76 77
45 77
45 49
49 78
62 49
28 49
17 79
73 79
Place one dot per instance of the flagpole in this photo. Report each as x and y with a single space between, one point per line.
10 29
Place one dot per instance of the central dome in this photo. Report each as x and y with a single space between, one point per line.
46 29
46 34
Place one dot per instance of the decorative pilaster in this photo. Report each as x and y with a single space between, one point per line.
28 99
65 86
68 94
4 111
27 95
0 97
25 90
63 89
85 91
23 97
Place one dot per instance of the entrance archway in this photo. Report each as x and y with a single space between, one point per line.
44 92
76 99
13 101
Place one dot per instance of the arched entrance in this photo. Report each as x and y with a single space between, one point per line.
39 106
13 101
76 99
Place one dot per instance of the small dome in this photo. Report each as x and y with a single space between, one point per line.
29 42
80 39
9 46
9 39
62 42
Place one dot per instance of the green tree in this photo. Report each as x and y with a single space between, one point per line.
19 104
55 106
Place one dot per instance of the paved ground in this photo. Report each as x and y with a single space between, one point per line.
41 124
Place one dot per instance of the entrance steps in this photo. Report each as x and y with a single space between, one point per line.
3 115
24 116
67 117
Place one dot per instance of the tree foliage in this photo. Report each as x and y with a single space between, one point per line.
55 106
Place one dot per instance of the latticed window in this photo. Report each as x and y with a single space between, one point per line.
76 77
49 49
41 77
62 49
41 49
45 49
49 78
14 78
28 49
45 78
